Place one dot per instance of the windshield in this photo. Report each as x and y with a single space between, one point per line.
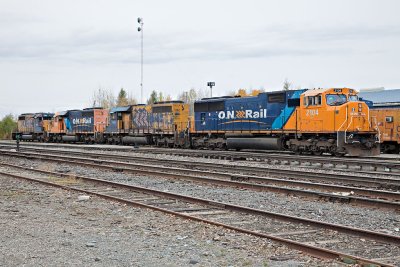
335 100
353 98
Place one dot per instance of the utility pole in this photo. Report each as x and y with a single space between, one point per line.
140 29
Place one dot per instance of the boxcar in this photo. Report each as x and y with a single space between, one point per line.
387 117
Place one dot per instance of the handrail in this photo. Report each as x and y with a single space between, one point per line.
377 128
337 133
345 131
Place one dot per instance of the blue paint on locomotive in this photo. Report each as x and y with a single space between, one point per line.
285 114
81 121
116 112
267 111
112 126
38 121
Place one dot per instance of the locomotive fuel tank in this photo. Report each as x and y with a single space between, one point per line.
27 137
137 140
70 138
254 143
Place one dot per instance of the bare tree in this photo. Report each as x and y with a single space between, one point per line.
231 93
202 93
193 95
287 85
160 96
132 100
103 98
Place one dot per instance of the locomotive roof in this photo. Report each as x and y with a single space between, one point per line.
383 96
44 114
169 102
314 92
121 109
386 105
217 97
61 113
93 108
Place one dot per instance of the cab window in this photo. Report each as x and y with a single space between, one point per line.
353 98
335 100
312 100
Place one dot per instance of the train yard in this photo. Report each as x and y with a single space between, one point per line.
341 209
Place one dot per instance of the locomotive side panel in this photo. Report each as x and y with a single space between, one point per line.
26 123
264 113
100 118
141 119
80 121
118 120
388 123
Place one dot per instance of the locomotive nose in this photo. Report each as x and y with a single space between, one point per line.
357 116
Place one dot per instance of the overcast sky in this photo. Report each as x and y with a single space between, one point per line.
54 54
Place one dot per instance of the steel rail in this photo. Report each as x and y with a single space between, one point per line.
309 249
369 163
160 171
391 183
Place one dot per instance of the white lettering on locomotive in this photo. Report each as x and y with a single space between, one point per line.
82 121
312 112
242 114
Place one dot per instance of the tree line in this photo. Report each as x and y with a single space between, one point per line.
7 125
106 99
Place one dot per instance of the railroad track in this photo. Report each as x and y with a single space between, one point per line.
276 158
360 196
324 240
357 178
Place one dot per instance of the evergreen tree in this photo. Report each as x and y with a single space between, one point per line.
153 97
122 99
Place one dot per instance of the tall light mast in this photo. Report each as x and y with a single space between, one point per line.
140 29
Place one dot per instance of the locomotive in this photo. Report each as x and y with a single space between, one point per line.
314 121
387 118
304 121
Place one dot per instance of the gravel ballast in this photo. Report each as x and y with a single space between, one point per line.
44 226
382 220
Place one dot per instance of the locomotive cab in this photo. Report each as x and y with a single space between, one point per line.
335 121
